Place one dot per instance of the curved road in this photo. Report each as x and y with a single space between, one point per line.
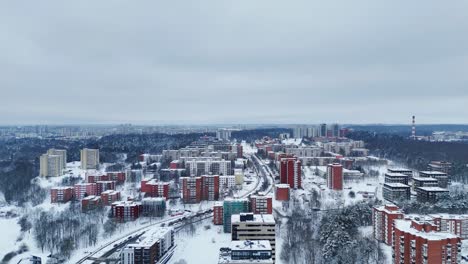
260 166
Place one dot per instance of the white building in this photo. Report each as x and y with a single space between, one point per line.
89 158
50 165
249 226
59 152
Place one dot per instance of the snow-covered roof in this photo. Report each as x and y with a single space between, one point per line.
433 189
432 173
251 245
405 226
428 179
149 240
257 218
395 174
396 185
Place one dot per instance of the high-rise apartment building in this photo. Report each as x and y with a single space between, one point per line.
335 176
290 172
249 226
50 165
231 207
89 158
59 152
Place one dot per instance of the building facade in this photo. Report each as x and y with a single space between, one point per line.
231 207
290 172
249 226
335 176
419 242
382 222
89 158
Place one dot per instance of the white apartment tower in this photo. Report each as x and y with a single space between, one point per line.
59 152
89 158
50 165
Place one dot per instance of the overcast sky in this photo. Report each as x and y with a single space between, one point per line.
170 62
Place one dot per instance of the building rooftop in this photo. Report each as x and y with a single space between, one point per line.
251 245
396 185
395 174
110 192
433 173
147 241
257 218
428 179
399 169
405 226
384 208
432 189
450 216
282 185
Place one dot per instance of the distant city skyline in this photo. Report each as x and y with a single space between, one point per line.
243 62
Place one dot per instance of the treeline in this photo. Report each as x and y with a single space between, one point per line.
417 154
62 232
19 158
333 238
455 202
251 135
135 144
405 130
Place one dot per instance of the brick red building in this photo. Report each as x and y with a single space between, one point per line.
282 192
191 189
420 242
153 188
61 194
82 190
91 202
455 224
335 176
102 186
175 164
93 178
290 172
109 197
382 221
218 213
260 204
117 176
210 187
240 151
126 211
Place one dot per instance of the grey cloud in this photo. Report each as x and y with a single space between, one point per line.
233 62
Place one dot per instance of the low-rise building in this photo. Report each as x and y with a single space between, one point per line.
90 203
153 188
249 226
395 192
61 194
109 197
247 252
282 192
124 211
155 248
82 190
382 222
429 194
395 177
424 182
442 177
401 170
420 242
442 166
118 176
102 186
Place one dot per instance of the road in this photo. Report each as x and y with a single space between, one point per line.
121 241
